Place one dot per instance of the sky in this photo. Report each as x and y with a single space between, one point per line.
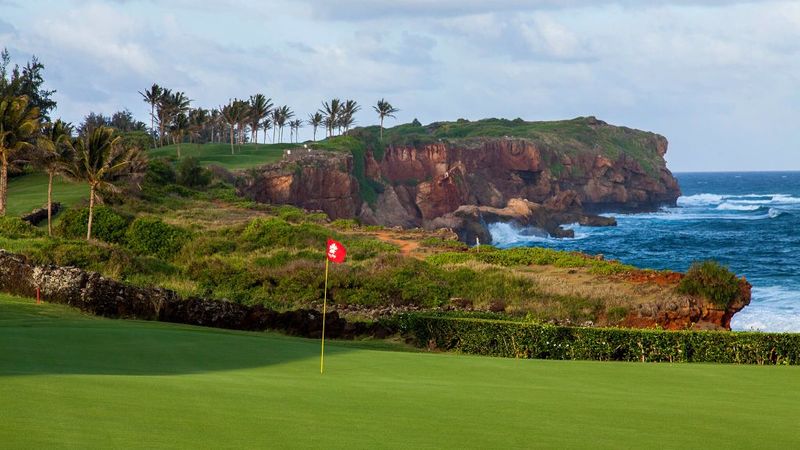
719 78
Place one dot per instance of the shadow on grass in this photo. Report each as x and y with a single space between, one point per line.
53 341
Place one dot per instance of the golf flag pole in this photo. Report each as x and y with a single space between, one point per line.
335 252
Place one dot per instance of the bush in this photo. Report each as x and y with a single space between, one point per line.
191 174
107 224
151 236
435 242
16 228
159 172
711 280
532 340
531 256
266 233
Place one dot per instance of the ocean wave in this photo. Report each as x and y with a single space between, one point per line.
700 200
677 215
773 308
507 235
732 206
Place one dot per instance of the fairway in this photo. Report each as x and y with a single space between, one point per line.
247 155
29 192
69 380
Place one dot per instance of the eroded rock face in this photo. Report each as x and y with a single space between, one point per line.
311 180
423 184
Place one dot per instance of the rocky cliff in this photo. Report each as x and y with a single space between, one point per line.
418 175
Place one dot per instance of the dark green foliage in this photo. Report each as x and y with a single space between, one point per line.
532 340
151 236
530 256
711 280
107 224
191 174
160 172
16 228
71 253
136 139
267 233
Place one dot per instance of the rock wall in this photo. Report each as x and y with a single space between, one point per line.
93 293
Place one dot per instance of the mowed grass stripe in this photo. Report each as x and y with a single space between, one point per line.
246 156
67 380
28 192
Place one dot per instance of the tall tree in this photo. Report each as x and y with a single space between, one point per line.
27 81
99 161
285 114
295 125
315 120
347 116
55 155
260 107
331 110
170 105
151 97
179 129
230 114
384 109
266 125
19 123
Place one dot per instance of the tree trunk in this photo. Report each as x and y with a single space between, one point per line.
232 140
179 148
153 123
381 128
91 212
3 182
50 204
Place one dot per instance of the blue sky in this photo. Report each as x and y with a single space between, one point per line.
720 79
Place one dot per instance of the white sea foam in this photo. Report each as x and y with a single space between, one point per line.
772 308
700 200
734 206
507 235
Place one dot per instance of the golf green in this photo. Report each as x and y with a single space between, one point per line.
70 380
29 192
246 155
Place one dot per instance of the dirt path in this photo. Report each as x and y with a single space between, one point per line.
407 247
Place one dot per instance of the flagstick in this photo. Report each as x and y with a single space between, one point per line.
324 311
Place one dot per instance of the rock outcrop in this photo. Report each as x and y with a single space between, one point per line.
424 184
93 293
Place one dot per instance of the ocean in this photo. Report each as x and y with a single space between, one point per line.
748 221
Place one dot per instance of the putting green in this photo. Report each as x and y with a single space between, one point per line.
68 380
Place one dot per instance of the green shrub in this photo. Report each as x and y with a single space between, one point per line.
532 340
435 242
531 256
107 224
16 228
159 172
70 253
191 174
344 224
151 236
711 280
273 232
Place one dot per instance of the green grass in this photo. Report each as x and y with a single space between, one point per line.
29 192
247 155
67 380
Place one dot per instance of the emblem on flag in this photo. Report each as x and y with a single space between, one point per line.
336 251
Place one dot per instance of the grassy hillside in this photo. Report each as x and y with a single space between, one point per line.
248 155
29 192
575 136
68 380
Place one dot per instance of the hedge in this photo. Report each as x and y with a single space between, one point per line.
543 341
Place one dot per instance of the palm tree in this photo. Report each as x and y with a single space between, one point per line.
179 128
244 112
214 119
100 160
198 120
19 123
229 114
346 119
266 124
56 153
260 107
295 126
279 117
315 120
384 109
331 112
170 104
152 97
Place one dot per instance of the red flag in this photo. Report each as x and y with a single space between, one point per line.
336 251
